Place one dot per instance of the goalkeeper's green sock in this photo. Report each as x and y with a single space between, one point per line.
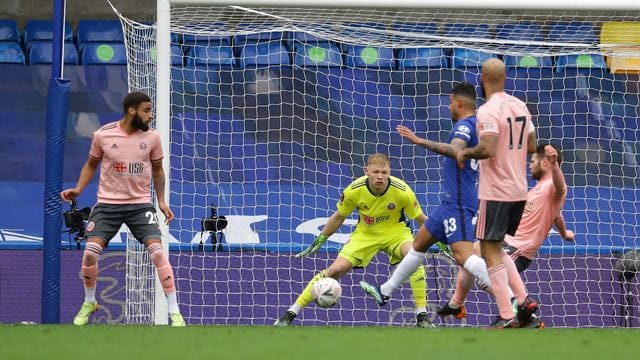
305 297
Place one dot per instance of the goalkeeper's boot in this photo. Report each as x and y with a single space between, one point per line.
374 292
286 319
459 313
422 321
501 323
177 320
534 323
82 317
526 310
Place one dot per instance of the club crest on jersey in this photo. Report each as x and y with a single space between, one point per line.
142 146
391 206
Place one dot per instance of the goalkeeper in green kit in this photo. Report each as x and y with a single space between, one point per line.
384 202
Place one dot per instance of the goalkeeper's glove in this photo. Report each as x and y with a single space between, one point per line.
314 247
445 250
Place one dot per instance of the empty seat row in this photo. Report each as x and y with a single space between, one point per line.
88 31
41 52
568 32
97 42
329 54
324 54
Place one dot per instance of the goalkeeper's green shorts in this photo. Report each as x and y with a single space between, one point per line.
362 248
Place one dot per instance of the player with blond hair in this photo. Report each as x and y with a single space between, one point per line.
452 222
384 203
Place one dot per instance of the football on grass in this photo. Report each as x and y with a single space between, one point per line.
326 292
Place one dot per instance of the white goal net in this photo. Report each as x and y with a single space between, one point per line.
273 110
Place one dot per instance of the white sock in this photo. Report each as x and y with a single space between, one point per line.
295 308
407 266
478 268
90 294
172 303
421 309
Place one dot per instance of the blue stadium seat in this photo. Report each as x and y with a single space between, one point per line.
192 39
527 61
369 57
468 58
264 54
572 31
295 38
464 58
304 37
9 30
353 29
272 36
11 53
524 31
467 30
98 31
210 55
42 30
104 53
41 52
413 27
580 61
318 54
421 57
176 55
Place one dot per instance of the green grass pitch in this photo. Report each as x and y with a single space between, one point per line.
262 342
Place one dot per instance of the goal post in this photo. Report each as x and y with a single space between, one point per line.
268 109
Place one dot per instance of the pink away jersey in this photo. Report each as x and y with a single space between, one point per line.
503 176
125 170
539 214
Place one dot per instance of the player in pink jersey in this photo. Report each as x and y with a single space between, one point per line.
130 154
506 134
542 210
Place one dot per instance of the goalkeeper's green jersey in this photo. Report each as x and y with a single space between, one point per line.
379 214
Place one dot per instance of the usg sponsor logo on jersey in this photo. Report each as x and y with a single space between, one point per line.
370 220
136 168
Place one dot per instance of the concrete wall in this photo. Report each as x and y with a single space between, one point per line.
22 10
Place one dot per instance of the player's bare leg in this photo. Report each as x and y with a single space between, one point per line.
90 258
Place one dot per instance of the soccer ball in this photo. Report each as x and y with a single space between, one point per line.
326 292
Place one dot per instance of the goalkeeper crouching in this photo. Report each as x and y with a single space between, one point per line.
383 203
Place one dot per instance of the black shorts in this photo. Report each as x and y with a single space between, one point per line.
105 221
497 218
522 263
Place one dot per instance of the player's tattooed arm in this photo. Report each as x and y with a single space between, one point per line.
449 150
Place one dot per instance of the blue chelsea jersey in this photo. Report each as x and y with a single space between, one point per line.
460 185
